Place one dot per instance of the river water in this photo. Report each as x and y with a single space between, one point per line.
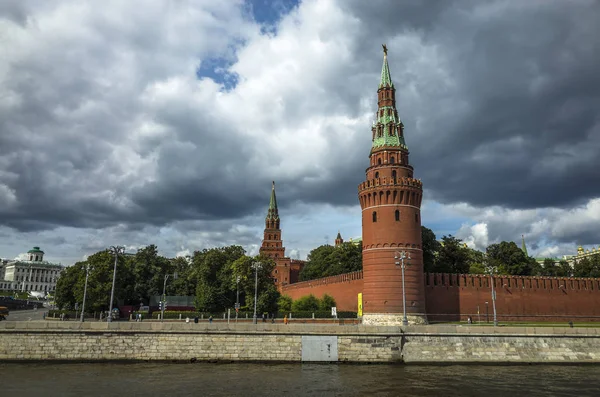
204 379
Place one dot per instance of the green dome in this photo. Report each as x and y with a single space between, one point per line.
35 250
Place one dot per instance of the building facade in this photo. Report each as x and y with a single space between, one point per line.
390 199
287 270
34 275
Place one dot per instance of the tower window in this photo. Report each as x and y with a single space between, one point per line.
392 160
417 218
397 215
374 216
377 175
394 175
379 161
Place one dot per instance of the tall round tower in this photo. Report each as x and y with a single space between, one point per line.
390 199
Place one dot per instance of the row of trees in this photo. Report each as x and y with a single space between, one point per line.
309 303
211 275
451 255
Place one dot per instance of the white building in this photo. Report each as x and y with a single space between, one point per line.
31 275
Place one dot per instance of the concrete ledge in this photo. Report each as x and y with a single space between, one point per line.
292 329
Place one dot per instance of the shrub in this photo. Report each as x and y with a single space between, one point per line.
306 304
326 302
284 303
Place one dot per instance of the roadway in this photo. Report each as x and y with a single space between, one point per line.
27 315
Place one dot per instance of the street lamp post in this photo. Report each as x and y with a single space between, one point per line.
87 273
115 250
401 256
491 270
256 266
237 297
164 295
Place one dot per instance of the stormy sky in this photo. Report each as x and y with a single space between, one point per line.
165 122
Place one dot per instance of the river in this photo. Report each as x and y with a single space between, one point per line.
204 379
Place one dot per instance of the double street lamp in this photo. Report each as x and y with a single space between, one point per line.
164 295
87 273
256 266
491 270
400 257
237 297
116 251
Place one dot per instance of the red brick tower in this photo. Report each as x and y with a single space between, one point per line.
390 199
339 240
272 245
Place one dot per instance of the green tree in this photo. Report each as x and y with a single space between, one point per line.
431 247
328 260
326 303
268 299
510 259
215 272
453 256
284 303
307 303
70 289
476 261
65 287
186 281
149 270
564 269
587 267
549 267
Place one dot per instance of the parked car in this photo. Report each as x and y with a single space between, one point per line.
3 312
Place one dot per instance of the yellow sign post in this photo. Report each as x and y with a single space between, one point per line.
360 304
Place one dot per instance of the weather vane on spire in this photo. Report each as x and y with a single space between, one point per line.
384 49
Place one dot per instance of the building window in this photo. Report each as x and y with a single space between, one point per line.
379 161
374 216
394 175
397 215
417 218
392 160
377 175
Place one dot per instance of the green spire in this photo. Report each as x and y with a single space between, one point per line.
386 79
387 130
339 236
273 212
523 246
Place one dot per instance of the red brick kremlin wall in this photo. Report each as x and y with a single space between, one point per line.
344 288
453 297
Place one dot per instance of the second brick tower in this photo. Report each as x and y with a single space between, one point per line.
390 199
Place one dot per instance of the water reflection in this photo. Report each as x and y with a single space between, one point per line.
202 379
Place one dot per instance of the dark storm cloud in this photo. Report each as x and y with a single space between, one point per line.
527 96
512 119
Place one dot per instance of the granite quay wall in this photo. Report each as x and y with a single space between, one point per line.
63 341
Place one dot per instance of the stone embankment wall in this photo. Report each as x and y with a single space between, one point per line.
72 341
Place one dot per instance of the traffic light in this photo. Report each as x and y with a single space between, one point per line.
165 305
160 305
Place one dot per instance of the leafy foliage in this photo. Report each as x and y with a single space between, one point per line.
306 304
587 267
453 256
328 260
326 302
284 303
310 303
510 259
431 247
